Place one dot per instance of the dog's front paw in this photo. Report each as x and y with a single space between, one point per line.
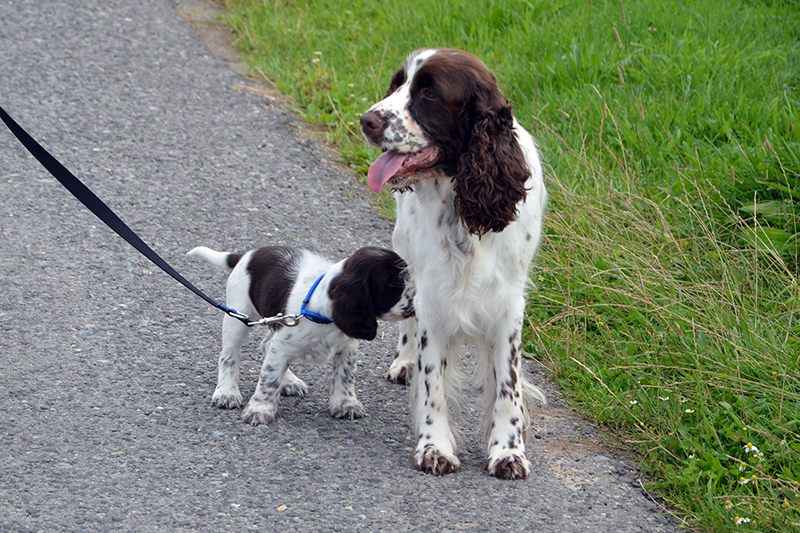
259 414
512 465
400 372
432 460
231 400
349 409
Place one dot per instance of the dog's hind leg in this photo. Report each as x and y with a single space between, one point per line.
343 401
291 385
227 395
406 356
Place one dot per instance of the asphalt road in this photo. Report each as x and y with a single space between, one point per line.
107 366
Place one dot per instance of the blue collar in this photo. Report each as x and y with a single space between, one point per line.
312 316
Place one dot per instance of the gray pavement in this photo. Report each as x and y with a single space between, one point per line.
107 365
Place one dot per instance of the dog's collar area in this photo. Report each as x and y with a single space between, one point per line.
281 319
311 315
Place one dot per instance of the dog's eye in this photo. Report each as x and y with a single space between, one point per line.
427 93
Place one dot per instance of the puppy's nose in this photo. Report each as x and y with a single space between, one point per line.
371 123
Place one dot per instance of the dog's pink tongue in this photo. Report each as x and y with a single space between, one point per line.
383 169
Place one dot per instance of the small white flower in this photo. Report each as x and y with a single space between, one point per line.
750 448
690 411
742 467
740 521
664 398
743 481
317 53
691 456
634 402
315 60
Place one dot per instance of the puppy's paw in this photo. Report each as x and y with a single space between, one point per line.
432 460
257 414
294 389
509 465
349 409
400 372
222 400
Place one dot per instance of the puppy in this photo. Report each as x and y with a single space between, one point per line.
345 303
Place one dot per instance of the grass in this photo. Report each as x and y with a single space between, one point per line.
667 294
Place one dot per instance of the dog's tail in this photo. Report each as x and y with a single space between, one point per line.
222 260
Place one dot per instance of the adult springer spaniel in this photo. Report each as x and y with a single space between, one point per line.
470 201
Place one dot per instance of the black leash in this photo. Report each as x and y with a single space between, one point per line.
104 213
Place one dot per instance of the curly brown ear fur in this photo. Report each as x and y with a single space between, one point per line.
491 174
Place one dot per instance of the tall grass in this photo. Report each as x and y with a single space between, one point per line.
685 345
667 295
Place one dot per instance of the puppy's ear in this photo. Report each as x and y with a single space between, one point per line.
353 310
371 283
355 317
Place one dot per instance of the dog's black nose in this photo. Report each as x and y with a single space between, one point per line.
371 123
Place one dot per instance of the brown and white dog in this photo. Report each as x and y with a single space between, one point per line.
470 200
352 294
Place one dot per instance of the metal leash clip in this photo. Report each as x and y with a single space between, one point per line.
289 321
284 320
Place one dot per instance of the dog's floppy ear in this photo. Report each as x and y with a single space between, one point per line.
354 315
491 174
371 283
353 308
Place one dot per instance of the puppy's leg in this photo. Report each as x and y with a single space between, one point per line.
291 385
343 401
263 403
227 395
406 356
508 416
436 444
264 344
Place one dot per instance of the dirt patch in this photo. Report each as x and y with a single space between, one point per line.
205 15
205 18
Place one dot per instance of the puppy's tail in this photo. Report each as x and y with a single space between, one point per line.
222 260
